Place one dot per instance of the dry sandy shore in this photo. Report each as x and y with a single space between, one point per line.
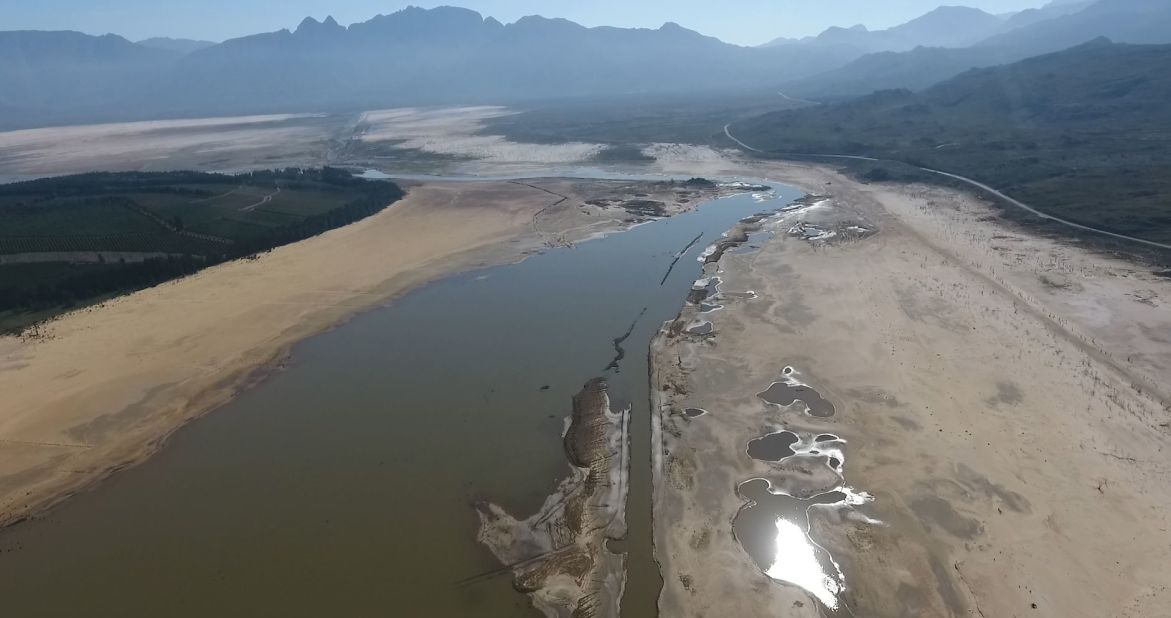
241 142
1002 397
429 140
108 384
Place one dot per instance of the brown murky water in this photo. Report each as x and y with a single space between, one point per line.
343 485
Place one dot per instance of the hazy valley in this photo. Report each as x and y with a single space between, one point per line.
442 315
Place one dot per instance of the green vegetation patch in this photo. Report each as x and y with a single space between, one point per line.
110 233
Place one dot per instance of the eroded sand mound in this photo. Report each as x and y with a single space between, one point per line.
559 555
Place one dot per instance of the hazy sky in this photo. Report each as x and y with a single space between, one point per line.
746 22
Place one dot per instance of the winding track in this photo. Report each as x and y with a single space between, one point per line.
969 181
264 200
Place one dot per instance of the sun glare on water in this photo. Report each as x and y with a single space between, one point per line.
797 564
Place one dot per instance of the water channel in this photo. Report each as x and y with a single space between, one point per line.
343 485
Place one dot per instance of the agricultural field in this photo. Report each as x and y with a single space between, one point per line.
65 241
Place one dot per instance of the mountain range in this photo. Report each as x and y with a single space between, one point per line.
1051 28
1077 132
946 26
450 55
951 26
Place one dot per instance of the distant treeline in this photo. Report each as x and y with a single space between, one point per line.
88 281
65 201
103 183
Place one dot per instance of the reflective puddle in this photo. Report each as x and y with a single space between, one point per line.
790 390
773 525
773 447
701 328
774 530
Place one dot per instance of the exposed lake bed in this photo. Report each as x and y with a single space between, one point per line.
846 442
872 337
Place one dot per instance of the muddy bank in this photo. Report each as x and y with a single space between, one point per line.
559 555
738 490
990 441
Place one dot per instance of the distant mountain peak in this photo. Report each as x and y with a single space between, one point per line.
952 12
674 29
312 26
944 26
539 24
957 9
407 21
445 11
541 19
1101 41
